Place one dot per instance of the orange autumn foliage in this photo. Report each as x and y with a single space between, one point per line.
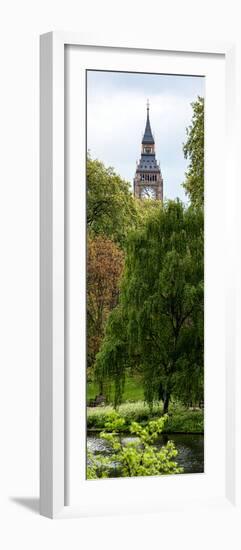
105 262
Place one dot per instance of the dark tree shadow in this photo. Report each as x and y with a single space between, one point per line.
32 503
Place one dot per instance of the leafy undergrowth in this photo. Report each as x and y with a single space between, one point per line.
186 422
138 457
180 419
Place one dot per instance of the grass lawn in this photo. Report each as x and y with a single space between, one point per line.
133 390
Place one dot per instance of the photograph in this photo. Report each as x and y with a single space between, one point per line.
144 274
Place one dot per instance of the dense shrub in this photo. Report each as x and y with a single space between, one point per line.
180 419
139 457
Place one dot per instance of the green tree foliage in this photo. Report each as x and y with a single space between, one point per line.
112 212
194 151
158 326
111 209
139 457
113 359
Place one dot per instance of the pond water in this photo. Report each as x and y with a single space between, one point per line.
190 448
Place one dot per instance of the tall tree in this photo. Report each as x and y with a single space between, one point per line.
104 267
111 209
158 325
194 151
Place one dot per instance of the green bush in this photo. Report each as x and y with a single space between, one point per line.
139 412
136 458
179 419
185 422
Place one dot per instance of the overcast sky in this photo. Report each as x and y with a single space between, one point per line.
116 118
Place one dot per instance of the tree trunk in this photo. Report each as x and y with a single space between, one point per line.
166 399
164 395
160 392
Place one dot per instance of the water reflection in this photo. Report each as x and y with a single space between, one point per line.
190 448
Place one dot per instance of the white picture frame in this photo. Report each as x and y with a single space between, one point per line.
54 426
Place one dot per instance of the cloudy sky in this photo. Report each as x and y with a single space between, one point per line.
116 117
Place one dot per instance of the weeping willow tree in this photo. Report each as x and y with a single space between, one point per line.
157 327
193 150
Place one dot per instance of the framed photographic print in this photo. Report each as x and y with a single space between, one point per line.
138 395
145 275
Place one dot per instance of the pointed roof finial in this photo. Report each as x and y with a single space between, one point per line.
148 137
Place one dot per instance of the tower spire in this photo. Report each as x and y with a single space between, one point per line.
148 137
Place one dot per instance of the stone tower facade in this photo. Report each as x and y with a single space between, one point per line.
148 181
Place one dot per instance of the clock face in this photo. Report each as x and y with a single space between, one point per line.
148 192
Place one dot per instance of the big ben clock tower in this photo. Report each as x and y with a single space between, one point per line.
148 182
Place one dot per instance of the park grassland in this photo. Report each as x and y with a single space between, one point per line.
133 390
181 419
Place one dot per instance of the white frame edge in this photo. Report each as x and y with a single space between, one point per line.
52 269
51 274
